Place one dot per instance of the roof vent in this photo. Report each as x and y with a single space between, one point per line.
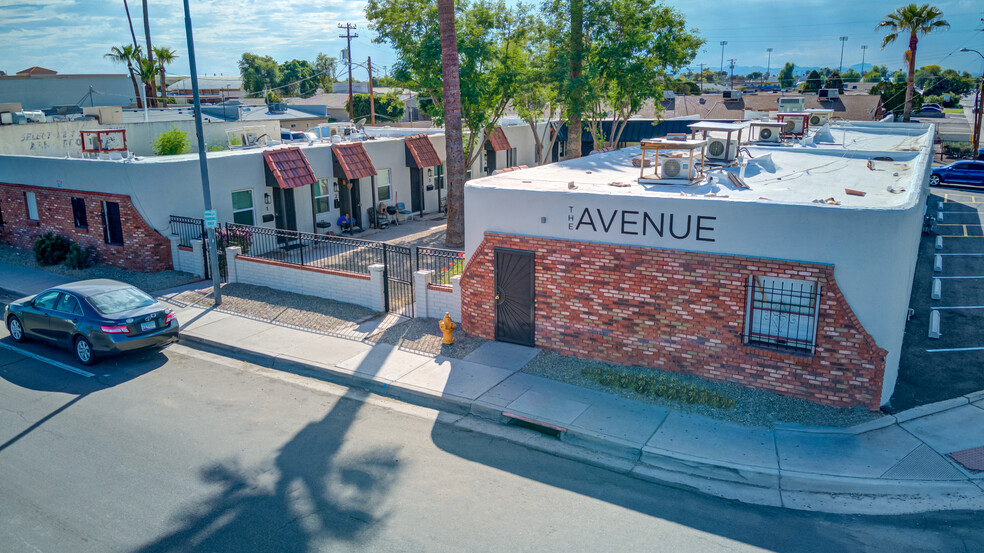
732 94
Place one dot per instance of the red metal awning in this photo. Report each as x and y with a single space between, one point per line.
353 160
422 152
498 141
289 167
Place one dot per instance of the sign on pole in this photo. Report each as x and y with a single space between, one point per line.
211 219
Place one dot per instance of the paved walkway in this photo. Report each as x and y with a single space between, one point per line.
896 464
21 281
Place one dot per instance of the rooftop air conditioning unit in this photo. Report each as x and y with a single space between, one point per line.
793 125
250 138
768 134
732 95
819 118
676 168
791 105
828 93
718 148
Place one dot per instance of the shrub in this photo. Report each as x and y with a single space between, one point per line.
273 98
51 248
171 142
957 149
660 385
80 257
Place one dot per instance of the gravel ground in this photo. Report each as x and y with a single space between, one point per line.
148 282
286 308
753 407
423 335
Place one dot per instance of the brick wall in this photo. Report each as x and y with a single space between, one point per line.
678 311
143 249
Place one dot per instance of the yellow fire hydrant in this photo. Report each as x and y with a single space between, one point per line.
447 327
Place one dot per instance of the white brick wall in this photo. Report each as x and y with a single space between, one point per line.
183 260
367 293
435 303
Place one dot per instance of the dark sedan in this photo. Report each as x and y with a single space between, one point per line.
964 173
93 317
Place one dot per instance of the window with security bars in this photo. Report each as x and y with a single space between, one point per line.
78 213
782 313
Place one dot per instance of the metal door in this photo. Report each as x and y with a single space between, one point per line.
417 190
398 274
514 296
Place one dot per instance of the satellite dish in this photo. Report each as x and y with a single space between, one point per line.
360 123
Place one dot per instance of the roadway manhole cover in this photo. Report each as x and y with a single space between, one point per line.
970 459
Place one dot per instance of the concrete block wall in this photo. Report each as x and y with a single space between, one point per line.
360 289
678 311
187 258
434 300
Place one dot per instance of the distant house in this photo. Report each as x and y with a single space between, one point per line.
37 71
212 89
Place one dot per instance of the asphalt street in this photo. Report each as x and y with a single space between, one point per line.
181 450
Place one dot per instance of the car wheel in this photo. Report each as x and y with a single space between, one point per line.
935 180
83 351
16 329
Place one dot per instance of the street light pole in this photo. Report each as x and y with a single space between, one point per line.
768 66
840 67
864 48
723 44
213 254
978 112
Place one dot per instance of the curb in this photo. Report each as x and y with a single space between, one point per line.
745 483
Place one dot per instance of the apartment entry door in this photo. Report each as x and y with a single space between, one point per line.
514 296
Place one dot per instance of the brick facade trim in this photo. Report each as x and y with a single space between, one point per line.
264 261
441 288
679 311
144 249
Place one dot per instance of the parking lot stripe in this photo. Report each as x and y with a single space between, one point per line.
959 254
979 348
44 359
958 277
961 307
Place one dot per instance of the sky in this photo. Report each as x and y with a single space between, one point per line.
72 36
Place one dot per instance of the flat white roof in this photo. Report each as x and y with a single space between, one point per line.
799 174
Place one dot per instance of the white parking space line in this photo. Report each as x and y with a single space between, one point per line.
979 348
958 277
970 254
44 359
961 307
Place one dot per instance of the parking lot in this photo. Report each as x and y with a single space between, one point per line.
949 281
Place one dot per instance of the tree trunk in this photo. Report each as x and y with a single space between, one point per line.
455 235
150 51
163 84
910 83
577 94
136 89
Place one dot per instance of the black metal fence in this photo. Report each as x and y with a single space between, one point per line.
444 263
187 229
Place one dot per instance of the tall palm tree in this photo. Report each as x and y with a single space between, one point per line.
912 20
150 48
455 236
147 71
165 56
128 54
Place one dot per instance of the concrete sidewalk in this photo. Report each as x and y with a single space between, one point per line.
896 464
21 281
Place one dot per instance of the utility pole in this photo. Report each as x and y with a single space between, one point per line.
723 44
349 36
768 66
843 39
372 97
213 254
864 48
732 62
702 78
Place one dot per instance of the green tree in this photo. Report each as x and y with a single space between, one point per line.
786 78
927 76
814 82
273 98
851 76
539 93
327 69
297 78
388 106
165 56
171 142
893 97
834 80
754 76
147 70
911 20
872 77
881 70
129 55
258 72
898 77
632 46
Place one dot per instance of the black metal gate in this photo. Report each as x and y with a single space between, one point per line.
514 294
398 276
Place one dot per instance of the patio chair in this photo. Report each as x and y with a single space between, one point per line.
401 208
375 219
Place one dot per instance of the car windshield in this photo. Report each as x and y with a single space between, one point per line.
119 300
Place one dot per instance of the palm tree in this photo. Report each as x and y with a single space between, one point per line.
150 50
147 71
913 20
127 54
165 56
455 236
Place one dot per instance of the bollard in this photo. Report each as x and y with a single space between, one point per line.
939 242
934 324
447 327
938 263
937 288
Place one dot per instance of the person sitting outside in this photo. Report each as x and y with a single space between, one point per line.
345 223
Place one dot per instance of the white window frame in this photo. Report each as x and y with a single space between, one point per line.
32 206
324 186
251 209
781 306
388 185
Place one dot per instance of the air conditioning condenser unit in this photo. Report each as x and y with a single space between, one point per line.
719 148
676 168
793 125
769 134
